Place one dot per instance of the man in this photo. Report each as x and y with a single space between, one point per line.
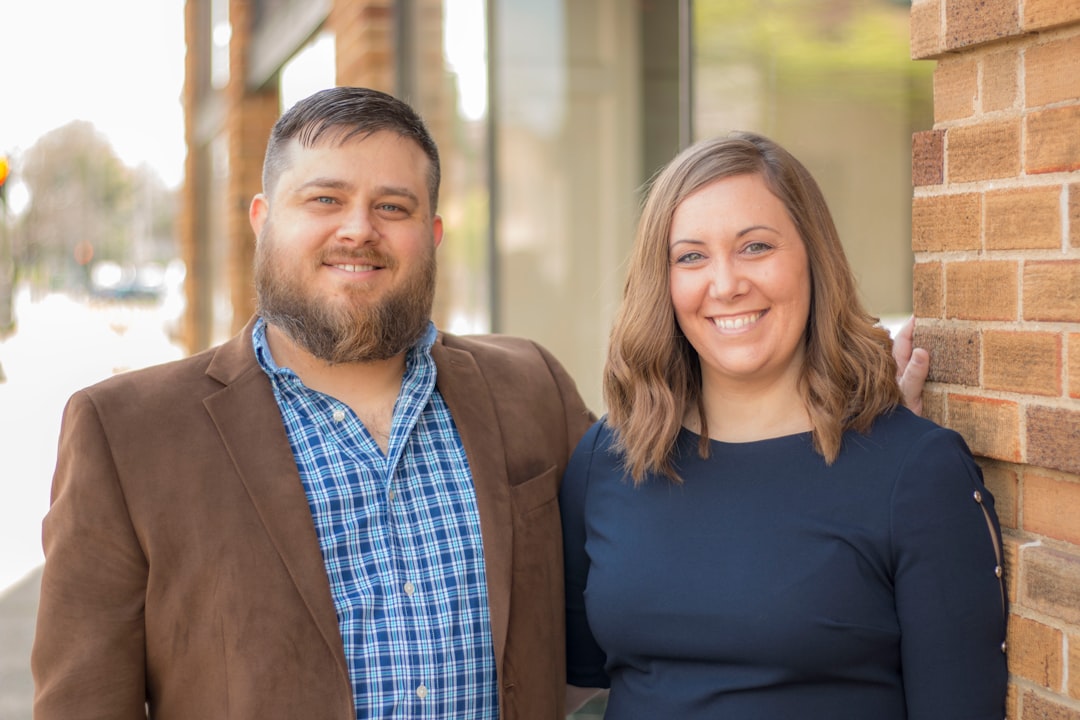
339 513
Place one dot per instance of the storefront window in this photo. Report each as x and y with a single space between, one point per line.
832 80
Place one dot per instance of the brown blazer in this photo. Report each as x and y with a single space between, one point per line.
182 568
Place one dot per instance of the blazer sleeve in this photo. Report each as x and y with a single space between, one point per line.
949 593
585 659
88 657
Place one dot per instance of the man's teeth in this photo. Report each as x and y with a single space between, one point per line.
736 323
355 268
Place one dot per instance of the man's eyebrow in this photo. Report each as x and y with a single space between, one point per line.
329 183
325 182
399 191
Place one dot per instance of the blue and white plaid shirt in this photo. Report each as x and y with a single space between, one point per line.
400 537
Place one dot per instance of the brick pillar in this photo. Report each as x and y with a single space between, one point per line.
364 31
250 116
191 220
996 234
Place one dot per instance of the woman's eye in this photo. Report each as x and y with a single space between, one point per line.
757 247
689 257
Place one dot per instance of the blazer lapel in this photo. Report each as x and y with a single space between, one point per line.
248 418
462 386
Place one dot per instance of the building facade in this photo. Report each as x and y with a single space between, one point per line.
551 116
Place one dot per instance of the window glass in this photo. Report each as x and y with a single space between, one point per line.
831 80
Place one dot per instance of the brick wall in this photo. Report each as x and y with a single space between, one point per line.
996 235
364 32
249 118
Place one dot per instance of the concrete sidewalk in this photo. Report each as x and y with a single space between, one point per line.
18 609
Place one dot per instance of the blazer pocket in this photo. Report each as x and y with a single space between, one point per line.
535 493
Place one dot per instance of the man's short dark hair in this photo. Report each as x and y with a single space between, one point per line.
346 112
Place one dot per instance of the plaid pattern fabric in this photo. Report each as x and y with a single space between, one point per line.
400 537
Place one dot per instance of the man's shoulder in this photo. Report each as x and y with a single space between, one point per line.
177 378
496 349
490 342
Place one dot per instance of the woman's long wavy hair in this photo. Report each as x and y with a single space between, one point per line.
652 376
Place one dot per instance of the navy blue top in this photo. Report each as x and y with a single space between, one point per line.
769 585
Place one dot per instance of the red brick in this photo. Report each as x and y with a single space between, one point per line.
1023 219
1051 582
946 222
1042 14
1002 481
956 88
1074 365
1052 140
1074 215
1010 548
1052 508
1053 438
928 297
925 29
1000 80
990 427
928 157
954 354
933 404
1023 362
970 22
1050 72
1038 706
1052 290
1035 652
1074 666
981 290
983 152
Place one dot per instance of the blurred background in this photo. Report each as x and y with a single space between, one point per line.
131 141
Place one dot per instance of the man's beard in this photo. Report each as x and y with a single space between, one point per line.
344 332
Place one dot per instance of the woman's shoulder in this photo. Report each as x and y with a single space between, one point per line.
901 439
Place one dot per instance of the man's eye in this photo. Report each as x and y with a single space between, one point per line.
324 200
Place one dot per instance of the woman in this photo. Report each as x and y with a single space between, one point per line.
758 529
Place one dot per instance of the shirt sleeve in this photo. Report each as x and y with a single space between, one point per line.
584 657
950 597
88 658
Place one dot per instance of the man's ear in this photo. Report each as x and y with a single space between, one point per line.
258 212
437 229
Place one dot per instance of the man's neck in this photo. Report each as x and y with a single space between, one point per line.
370 388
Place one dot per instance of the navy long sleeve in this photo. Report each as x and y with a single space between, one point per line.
770 585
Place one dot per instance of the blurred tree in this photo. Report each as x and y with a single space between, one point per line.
81 208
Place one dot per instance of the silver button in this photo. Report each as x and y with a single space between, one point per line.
1002 646
409 590
978 496
339 415
421 692
997 570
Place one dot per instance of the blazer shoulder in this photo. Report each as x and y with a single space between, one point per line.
190 378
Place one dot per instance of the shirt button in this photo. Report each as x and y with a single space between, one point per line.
392 494
409 590
339 415
421 692
978 496
1002 646
997 570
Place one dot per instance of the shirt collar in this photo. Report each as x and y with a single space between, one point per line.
420 352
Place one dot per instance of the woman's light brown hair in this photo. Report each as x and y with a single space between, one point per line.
652 376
